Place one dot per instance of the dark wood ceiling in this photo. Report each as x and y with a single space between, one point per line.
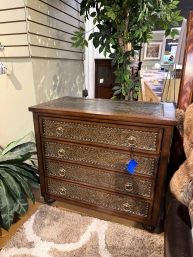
185 6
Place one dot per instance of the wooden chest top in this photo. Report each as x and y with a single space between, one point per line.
149 112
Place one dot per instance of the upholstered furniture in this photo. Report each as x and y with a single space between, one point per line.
178 237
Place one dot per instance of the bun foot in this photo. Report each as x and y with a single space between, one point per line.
148 227
48 200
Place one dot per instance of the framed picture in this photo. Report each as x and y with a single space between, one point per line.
152 51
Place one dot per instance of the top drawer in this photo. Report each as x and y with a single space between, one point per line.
140 138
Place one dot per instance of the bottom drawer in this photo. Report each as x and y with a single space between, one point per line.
99 198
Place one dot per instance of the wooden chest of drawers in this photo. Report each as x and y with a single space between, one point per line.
84 145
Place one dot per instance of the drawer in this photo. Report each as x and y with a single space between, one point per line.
124 183
100 198
100 157
123 137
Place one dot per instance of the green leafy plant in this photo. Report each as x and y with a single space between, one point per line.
120 22
14 176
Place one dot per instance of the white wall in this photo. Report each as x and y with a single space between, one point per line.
36 36
16 95
90 54
156 36
62 77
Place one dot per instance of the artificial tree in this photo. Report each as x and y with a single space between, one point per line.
123 22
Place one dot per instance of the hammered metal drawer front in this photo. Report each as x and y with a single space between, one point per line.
147 165
99 178
142 139
100 198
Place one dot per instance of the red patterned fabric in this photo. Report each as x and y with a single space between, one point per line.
185 95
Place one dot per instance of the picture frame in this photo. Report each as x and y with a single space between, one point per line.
152 51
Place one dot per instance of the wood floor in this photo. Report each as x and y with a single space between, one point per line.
5 236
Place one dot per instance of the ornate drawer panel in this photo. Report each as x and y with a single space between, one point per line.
142 139
116 181
101 198
147 165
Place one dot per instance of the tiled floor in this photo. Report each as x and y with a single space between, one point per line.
5 236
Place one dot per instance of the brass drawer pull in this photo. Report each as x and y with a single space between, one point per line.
59 131
127 207
129 186
62 172
61 152
62 191
132 140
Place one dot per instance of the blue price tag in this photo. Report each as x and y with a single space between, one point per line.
131 166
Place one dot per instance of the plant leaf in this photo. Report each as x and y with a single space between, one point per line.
6 207
81 29
96 42
14 158
34 166
74 38
19 153
10 183
117 92
23 148
24 184
113 62
21 205
28 167
116 88
12 145
93 14
23 172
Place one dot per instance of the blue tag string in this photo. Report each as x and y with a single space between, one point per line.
130 167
